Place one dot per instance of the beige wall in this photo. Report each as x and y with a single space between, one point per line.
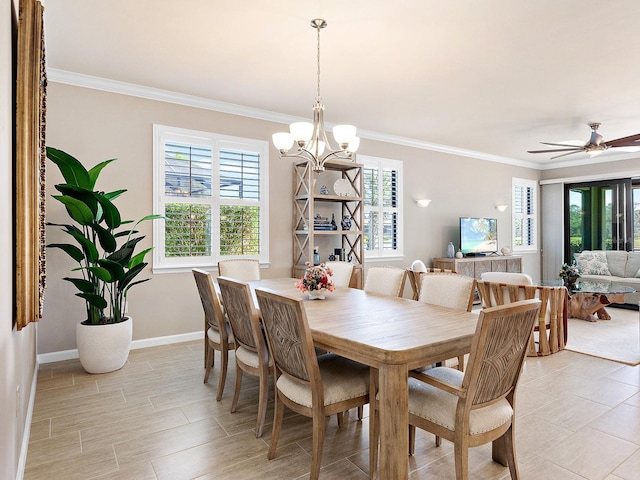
94 125
17 349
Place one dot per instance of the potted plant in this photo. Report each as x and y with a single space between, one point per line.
107 262
569 275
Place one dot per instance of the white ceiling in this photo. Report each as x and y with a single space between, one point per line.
493 76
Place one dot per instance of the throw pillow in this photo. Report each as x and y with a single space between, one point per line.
592 263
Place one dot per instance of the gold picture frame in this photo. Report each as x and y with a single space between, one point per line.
30 96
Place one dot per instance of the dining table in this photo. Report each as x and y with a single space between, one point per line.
390 334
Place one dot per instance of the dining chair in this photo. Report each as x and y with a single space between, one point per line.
550 332
245 269
312 386
342 272
385 281
478 406
217 332
415 273
252 354
450 290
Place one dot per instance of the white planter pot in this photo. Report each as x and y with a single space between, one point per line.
104 348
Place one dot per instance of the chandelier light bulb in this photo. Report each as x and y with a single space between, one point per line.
344 135
283 141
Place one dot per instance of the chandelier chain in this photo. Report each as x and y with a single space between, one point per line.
318 63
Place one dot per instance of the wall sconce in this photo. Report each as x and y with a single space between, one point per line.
501 208
423 202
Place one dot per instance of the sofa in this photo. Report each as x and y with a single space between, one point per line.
613 266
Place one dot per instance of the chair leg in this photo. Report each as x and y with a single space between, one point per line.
360 412
262 401
340 417
278 415
509 444
438 441
236 393
224 362
461 454
317 444
412 439
209 356
461 363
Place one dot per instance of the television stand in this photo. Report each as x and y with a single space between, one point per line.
475 266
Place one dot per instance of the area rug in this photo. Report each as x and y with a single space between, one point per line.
616 339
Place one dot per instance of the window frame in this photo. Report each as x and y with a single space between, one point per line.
380 164
516 184
163 134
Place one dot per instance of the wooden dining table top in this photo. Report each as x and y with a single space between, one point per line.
374 329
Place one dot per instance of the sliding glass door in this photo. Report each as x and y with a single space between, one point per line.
602 216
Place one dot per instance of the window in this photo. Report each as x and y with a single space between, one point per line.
382 207
213 191
524 208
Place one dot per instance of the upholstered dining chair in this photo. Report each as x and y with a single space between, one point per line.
385 281
315 387
342 272
217 332
415 273
252 354
477 406
450 290
244 269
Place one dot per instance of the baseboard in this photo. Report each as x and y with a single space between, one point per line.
144 343
22 461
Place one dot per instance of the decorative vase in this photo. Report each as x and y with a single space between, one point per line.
317 294
104 348
346 222
451 250
459 254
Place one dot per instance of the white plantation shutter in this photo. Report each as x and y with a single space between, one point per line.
382 207
212 191
524 212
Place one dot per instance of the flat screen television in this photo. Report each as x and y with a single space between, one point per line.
478 235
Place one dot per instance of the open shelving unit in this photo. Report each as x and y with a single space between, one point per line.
309 202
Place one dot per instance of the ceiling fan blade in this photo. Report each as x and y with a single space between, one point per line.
561 144
572 150
563 155
631 141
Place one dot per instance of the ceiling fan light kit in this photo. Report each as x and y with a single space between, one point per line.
593 147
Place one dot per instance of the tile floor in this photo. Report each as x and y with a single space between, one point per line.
578 418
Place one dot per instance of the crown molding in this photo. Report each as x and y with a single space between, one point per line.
150 93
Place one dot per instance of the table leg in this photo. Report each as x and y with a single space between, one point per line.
394 420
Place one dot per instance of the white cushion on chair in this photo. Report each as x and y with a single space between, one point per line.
507 277
214 335
447 290
418 266
342 379
341 273
250 358
439 407
384 280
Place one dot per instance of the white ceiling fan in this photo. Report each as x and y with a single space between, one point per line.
594 146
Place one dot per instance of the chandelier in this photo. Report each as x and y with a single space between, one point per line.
311 138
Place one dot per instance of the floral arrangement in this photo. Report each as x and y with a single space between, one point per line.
569 272
316 277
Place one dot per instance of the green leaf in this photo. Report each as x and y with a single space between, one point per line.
125 252
93 299
77 209
81 284
131 274
71 250
126 290
105 237
72 170
110 212
116 271
94 172
115 194
102 273
79 193
139 258
90 250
